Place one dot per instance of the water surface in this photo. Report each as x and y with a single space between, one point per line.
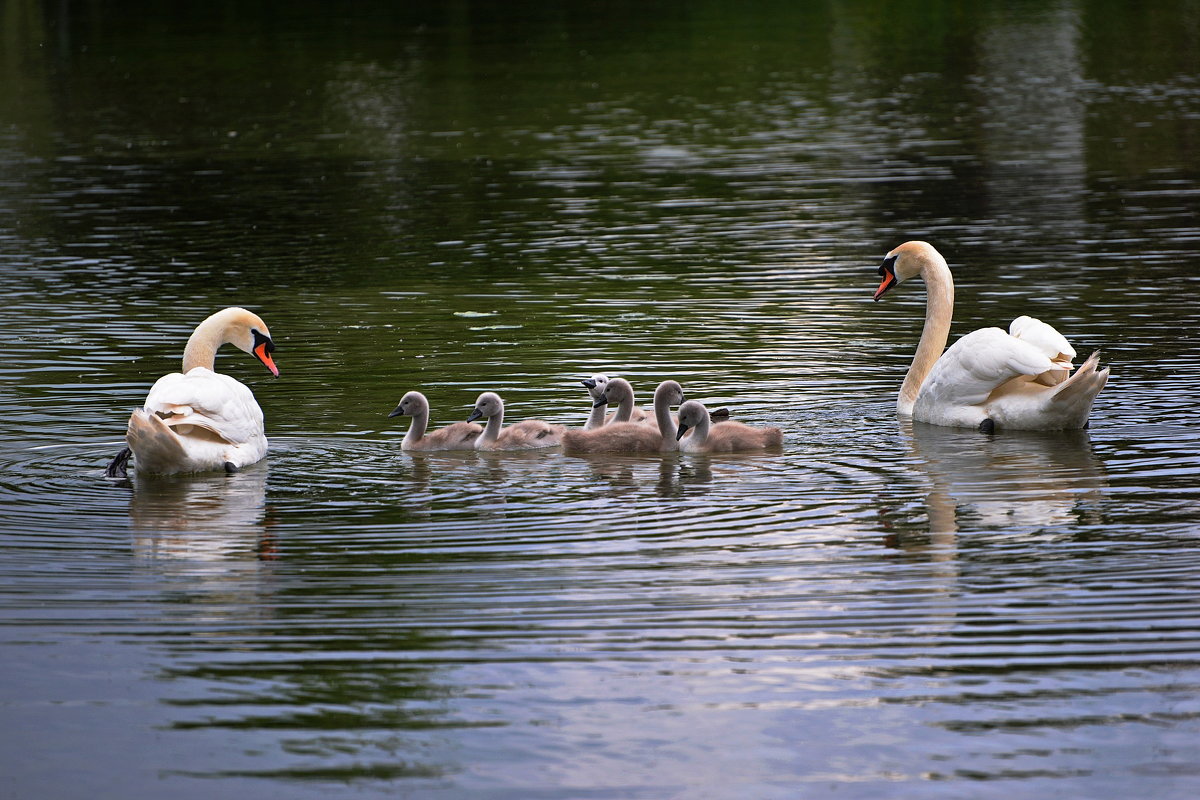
464 197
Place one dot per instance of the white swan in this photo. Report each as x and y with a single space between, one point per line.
201 420
728 437
530 434
988 379
629 437
455 436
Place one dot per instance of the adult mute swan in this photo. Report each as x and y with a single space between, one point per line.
728 437
988 379
198 420
530 434
455 436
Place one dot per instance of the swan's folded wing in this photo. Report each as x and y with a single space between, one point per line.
1045 338
208 400
979 362
1048 341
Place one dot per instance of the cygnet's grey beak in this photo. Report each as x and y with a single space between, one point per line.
398 412
475 414
603 401
682 430
589 383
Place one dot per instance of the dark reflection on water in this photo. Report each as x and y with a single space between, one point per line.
459 197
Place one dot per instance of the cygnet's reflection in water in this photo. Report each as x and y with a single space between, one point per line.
1011 480
203 517
668 473
424 481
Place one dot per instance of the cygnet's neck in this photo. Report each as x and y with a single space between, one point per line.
662 414
700 429
492 431
625 406
418 426
596 418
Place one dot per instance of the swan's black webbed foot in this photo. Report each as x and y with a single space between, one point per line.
230 468
118 467
987 426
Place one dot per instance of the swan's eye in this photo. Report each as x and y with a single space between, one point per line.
261 338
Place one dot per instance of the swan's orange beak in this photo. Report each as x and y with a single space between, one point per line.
263 355
888 271
889 280
262 349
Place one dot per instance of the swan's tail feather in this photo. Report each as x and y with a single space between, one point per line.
1074 397
155 446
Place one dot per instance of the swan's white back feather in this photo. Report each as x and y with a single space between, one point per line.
969 372
989 374
1042 336
228 419
1046 339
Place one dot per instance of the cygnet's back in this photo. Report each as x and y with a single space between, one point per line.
728 437
455 436
529 434
615 437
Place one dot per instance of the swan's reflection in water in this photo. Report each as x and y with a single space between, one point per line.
1013 480
202 518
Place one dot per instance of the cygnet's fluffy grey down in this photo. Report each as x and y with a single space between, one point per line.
630 437
529 434
615 437
728 437
620 393
455 436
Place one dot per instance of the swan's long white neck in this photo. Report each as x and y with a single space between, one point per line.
939 310
227 326
202 345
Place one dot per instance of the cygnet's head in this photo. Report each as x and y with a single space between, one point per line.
411 405
690 415
671 391
618 389
487 406
596 385
906 261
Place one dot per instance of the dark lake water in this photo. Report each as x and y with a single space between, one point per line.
455 197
